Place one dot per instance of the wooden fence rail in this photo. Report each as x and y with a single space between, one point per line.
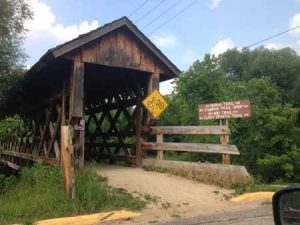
222 148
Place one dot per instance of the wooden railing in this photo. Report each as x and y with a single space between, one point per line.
223 148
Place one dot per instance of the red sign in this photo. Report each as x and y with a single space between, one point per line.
225 110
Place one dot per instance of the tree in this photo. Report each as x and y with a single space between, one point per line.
13 14
268 140
282 66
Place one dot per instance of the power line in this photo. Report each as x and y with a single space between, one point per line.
173 17
150 11
275 35
138 8
160 15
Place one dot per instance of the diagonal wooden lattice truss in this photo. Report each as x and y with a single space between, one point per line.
111 125
36 138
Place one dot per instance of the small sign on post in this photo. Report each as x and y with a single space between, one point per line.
225 110
155 103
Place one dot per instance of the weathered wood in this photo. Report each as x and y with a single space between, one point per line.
43 132
201 130
66 149
153 84
224 139
76 113
63 103
120 49
77 90
10 164
19 154
138 122
192 147
53 142
160 152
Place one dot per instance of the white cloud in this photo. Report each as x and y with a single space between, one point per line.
294 22
43 24
222 46
273 46
214 4
298 42
165 41
166 87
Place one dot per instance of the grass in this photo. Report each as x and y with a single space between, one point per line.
38 194
205 175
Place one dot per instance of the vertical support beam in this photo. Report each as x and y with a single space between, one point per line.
160 153
76 117
63 114
153 84
224 139
138 122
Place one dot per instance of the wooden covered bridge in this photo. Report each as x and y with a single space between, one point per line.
94 84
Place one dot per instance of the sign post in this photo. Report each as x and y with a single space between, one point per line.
224 111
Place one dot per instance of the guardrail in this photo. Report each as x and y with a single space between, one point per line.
223 148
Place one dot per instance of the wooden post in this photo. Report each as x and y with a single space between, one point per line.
153 84
160 153
76 110
67 151
138 132
224 139
63 114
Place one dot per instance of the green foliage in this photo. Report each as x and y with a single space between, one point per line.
13 14
38 193
8 126
268 141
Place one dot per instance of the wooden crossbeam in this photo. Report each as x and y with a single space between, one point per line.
10 164
203 130
191 147
19 154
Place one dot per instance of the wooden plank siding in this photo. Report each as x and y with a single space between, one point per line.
191 147
201 130
119 49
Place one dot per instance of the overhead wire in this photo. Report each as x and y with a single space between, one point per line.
138 8
150 11
273 36
161 14
173 17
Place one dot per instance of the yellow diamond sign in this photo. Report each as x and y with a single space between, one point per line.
155 104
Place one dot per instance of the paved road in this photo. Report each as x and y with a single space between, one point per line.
258 216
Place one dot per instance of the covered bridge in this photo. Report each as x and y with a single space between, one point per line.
95 84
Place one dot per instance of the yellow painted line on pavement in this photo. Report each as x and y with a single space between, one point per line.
248 197
89 219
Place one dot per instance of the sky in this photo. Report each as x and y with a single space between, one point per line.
208 26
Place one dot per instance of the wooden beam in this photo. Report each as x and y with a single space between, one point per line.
191 147
10 164
77 113
160 152
19 154
77 90
203 130
66 149
138 121
153 84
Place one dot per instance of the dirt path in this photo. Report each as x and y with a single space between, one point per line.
174 196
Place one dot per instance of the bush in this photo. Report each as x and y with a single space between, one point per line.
285 166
